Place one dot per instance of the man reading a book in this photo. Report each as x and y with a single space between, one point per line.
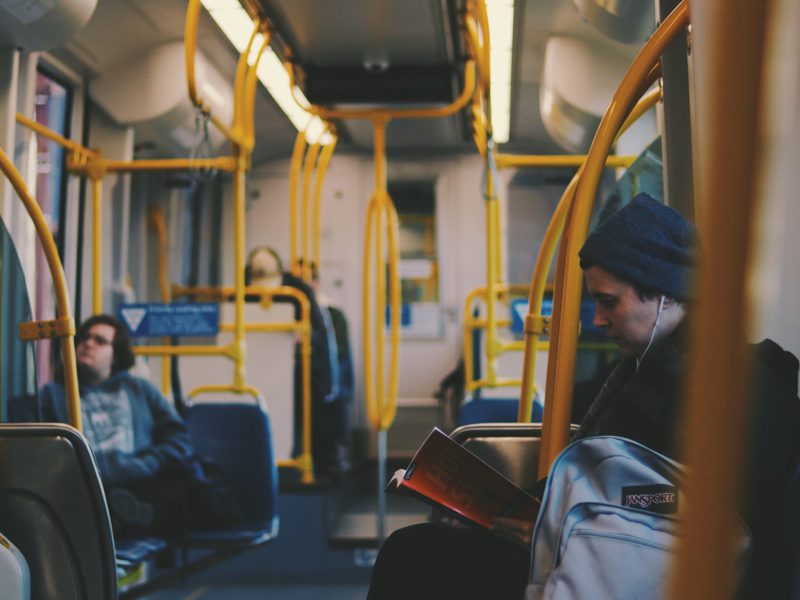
638 268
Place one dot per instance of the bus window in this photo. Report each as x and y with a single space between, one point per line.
17 364
415 202
53 106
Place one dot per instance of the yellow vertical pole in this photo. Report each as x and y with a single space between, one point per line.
238 262
491 276
294 184
366 325
724 34
536 295
307 462
156 219
97 253
379 128
308 172
322 169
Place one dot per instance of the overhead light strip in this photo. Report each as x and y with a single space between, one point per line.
237 25
501 32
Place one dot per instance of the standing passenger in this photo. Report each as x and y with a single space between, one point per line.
264 267
638 268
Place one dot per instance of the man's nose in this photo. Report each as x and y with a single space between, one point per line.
600 319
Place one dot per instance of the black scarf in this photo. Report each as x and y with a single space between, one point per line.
642 405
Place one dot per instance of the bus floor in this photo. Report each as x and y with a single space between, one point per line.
325 547
278 591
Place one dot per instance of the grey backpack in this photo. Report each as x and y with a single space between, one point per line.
607 527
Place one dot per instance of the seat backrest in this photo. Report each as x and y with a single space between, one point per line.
52 507
511 448
237 436
495 410
269 363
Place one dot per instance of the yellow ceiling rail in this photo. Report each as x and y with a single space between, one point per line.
63 309
53 136
476 23
240 83
322 170
564 334
190 40
249 135
718 403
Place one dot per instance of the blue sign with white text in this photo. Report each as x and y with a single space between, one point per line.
148 319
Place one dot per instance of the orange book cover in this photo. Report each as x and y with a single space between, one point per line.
446 474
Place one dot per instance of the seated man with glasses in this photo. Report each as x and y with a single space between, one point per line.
138 439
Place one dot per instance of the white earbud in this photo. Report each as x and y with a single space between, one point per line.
653 334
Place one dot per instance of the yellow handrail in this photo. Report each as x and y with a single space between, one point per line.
240 82
505 161
63 309
322 170
222 163
718 403
381 409
223 389
380 395
567 303
190 38
53 136
535 324
224 293
470 323
249 129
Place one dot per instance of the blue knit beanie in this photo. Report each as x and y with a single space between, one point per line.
647 244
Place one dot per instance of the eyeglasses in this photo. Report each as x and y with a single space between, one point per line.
97 339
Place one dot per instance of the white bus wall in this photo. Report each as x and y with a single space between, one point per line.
346 192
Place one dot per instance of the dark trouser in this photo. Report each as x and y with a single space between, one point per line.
167 496
439 562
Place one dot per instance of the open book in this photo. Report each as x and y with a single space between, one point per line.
445 474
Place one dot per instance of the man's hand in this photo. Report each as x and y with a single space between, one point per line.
518 531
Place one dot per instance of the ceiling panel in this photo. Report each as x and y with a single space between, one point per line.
411 48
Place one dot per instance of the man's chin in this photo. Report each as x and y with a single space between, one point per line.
85 372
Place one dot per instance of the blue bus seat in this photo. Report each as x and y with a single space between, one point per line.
52 507
238 438
494 410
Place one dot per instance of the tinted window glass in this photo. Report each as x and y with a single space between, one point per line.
17 364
